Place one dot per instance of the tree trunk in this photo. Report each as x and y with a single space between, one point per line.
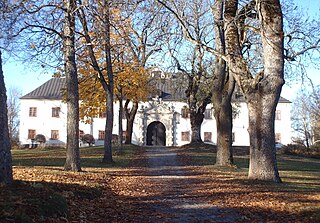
196 119
5 147
222 93
107 158
73 155
223 116
263 163
130 115
120 136
261 91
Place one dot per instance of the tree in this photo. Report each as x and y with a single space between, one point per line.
104 70
223 88
142 38
132 85
5 147
306 116
132 45
223 82
47 36
13 115
262 90
73 153
198 90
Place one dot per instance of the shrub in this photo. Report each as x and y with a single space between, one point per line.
40 138
87 138
300 150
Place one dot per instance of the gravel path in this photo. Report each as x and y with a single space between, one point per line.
176 183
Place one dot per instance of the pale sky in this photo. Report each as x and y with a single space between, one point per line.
26 79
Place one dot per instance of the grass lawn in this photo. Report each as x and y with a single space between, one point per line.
298 172
90 156
43 192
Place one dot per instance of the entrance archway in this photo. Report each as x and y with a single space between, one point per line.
156 134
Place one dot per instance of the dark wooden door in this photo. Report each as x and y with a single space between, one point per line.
156 134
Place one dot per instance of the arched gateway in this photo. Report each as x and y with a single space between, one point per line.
156 134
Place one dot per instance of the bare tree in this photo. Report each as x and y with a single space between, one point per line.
13 115
198 88
143 39
262 90
223 82
223 87
9 18
47 36
306 117
5 147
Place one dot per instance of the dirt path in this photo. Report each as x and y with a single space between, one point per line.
175 185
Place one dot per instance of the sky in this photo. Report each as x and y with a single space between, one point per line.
26 78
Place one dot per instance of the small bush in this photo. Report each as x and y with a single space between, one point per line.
40 138
300 150
87 138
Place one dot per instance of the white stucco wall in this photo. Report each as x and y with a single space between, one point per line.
44 123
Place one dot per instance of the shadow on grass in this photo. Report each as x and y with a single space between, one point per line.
90 157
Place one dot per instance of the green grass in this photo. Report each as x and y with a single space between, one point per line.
90 156
297 173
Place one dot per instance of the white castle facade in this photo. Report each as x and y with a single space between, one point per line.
159 121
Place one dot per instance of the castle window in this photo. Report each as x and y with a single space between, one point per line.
56 112
278 115
185 112
208 114
208 136
81 134
31 133
185 136
55 134
101 135
32 112
278 137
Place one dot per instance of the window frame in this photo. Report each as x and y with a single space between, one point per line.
185 112
29 133
55 134
32 111
206 138
277 137
185 136
278 115
101 134
208 113
55 112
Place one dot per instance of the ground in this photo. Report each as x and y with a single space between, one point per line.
163 184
